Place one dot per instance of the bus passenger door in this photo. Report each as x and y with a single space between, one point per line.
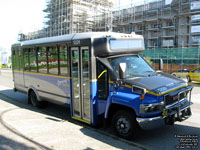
80 83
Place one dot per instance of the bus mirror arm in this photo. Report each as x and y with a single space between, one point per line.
160 64
105 62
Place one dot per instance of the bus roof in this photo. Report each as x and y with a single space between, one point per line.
75 36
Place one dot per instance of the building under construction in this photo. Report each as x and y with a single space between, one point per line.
74 16
163 23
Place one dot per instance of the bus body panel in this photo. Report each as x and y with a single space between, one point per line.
19 81
122 97
50 87
53 88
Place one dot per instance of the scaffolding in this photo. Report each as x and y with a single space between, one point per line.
74 16
163 23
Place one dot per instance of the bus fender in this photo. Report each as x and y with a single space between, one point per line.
116 105
32 88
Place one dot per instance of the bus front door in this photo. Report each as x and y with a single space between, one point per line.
80 83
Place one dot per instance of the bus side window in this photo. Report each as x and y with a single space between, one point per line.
42 60
20 59
53 60
26 59
14 64
63 61
102 81
32 60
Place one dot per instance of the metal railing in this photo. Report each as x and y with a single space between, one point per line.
175 58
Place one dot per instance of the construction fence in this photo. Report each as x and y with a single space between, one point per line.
174 58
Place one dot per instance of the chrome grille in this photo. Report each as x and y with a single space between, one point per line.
174 97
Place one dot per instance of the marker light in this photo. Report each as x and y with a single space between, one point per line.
142 97
139 90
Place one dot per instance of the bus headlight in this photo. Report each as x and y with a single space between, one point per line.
151 108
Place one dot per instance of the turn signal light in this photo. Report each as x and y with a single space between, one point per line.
142 97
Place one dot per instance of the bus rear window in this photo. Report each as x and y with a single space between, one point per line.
126 44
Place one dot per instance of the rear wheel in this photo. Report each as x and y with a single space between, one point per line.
34 101
124 124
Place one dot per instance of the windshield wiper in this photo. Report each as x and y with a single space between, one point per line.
152 72
135 75
148 71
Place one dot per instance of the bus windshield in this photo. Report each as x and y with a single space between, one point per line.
135 66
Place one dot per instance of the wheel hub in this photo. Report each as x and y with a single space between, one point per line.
123 125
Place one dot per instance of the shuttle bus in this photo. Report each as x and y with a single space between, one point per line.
102 78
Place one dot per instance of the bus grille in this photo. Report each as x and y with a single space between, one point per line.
170 99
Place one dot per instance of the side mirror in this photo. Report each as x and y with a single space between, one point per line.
160 64
122 70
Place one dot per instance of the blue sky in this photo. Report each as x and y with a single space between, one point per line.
25 16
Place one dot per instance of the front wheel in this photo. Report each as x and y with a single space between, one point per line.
124 124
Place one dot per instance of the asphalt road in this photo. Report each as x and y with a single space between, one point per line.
165 138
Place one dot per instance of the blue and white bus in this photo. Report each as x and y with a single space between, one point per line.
101 77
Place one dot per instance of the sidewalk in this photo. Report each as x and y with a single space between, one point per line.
25 127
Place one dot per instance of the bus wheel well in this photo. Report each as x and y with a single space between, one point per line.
33 99
116 107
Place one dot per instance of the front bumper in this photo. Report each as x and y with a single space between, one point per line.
150 123
175 115
178 111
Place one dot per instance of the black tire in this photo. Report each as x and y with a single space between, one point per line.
188 79
34 101
124 124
